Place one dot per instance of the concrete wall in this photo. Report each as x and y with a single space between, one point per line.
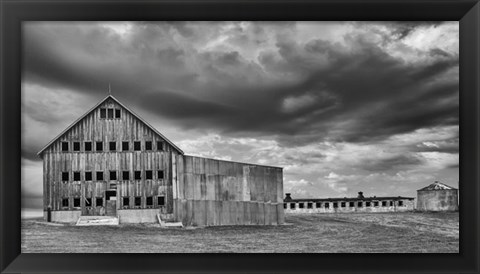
437 200
127 216
408 205
64 216
214 192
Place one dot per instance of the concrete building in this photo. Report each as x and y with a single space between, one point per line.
110 162
348 205
437 197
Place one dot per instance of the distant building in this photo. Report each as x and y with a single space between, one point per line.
110 162
348 205
437 197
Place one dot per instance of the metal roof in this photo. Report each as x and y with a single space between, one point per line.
93 108
436 186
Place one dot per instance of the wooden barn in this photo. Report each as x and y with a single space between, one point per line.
110 162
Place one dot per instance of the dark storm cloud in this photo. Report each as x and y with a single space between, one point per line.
392 163
300 92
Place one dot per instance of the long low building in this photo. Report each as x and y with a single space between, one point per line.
348 205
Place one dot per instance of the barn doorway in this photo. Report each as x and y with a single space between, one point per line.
111 206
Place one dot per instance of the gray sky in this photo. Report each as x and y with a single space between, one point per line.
342 106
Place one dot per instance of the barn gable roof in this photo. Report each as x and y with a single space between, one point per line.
436 186
96 106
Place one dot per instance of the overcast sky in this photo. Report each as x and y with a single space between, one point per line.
341 106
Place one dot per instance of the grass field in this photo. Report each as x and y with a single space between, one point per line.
345 233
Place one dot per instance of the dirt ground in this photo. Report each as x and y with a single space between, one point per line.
330 233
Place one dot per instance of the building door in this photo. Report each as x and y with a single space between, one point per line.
111 206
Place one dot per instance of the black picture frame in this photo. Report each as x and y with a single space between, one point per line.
13 12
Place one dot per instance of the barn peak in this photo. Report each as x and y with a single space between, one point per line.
115 100
436 186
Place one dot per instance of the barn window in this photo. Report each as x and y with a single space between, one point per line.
149 201
400 203
126 201
125 146
138 201
99 202
360 204
110 113
292 205
99 175
375 203
352 204
113 175
65 202
117 113
88 202
64 146
327 205
148 145
126 175
76 202
335 205
148 175
318 205
136 145
64 176
138 175
391 203
88 146
161 200
159 145
300 205
343 204
367 204
309 205
284 205
88 175
76 146
76 176
112 146
384 203
99 146
160 174
103 113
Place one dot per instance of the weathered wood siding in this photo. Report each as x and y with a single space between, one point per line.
92 128
215 192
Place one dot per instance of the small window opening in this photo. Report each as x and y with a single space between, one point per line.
343 204
64 176
64 146
400 203
126 175
113 175
148 145
117 113
391 203
352 204
360 204
327 205
88 202
99 175
335 205
136 145
76 146
65 202
309 205
384 203
367 204
113 146
76 176
300 205
125 146
284 205
76 202
375 203
292 205
103 113
148 175
138 201
160 174
126 201
110 113
161 200
88 175
138 175
99 202
99 146
149 201
159 145
318 205
88 146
